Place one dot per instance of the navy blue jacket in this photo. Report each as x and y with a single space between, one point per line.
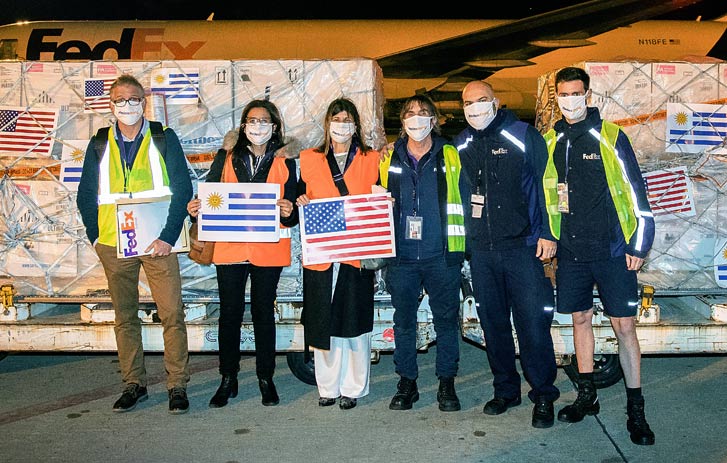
505 163
591 230
423 193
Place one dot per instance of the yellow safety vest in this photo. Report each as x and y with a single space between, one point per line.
455 211
618 185
147 178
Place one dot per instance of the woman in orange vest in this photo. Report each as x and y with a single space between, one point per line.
248 155
338 298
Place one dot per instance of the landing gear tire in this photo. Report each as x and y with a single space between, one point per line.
301 368
606 370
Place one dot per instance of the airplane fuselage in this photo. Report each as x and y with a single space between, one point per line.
345 39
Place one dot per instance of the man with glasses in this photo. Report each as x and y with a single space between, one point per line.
135 163
508 237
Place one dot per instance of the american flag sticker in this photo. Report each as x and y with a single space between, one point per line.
27 131
239 212
72 157
670 191
720 262
96 95
179 86
347 228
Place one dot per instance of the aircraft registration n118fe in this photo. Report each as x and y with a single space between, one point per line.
436 57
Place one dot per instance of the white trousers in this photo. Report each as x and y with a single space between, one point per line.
345 369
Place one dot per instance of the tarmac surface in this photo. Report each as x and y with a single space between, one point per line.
57 408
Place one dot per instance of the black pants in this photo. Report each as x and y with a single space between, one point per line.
232 280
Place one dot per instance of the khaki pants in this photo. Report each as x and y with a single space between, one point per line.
165 283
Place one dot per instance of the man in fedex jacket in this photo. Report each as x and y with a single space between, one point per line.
599 210
508 240
133 164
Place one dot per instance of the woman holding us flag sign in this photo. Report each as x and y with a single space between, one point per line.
248 155
338 297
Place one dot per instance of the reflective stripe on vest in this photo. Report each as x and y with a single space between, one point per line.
622 193
147 178
455 211
550 184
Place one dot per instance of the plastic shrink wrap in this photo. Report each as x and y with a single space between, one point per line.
49 111
675 114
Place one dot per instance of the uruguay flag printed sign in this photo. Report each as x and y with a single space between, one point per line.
239 212
720 262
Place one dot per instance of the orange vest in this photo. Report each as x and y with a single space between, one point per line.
359 177
260 254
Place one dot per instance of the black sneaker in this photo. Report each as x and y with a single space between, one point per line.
132 394
499 405
641 433
406 394
543 416
178 402
446 396
585 404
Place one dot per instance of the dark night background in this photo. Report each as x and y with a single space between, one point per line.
33 10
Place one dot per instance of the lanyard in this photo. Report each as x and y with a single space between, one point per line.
127 157
567 154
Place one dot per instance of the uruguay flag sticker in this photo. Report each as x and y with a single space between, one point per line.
720 262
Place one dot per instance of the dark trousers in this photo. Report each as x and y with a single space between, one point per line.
232 280
512 283
442 283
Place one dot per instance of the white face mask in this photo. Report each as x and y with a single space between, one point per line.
259 134
480 114
418 127
129 115
573 107
341 132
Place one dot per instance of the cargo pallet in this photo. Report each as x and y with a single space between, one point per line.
676 322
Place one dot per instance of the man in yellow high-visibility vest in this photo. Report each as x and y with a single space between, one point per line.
598 209
139 159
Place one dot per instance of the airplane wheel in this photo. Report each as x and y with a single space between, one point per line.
606 370
302 369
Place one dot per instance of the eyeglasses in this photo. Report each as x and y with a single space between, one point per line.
255 121
133 101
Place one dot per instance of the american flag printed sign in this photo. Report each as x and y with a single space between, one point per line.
239 212
695 128
179 86
96 95
27 130
670 192
347 228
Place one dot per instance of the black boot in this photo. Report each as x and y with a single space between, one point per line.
268 392
641 433
446 396
586 404
227 389
406 394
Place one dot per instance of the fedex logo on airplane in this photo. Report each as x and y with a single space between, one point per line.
134 43
128 229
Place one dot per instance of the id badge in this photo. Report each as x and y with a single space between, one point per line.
414 227
563 197
477 202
